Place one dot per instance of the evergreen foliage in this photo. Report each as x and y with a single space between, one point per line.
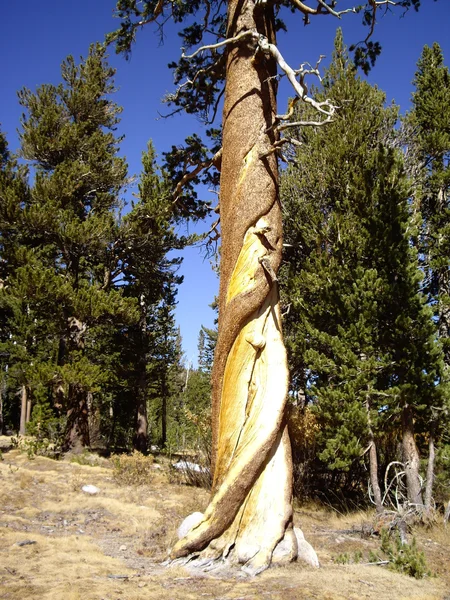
361 339
86 294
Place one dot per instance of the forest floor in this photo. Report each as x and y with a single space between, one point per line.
60 543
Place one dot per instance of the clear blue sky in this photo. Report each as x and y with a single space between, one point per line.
35 37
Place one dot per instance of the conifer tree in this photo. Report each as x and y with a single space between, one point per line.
251 508
68 136
147 236
429 145
361 340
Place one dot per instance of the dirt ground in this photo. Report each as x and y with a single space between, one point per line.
58 542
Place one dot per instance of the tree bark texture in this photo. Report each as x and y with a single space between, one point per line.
411 458
164 393
77 426
28 413
23 410
93 421
430 470
373 463
141 437
251 507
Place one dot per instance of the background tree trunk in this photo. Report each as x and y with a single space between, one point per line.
77 427
411 457
164 392
251 508
23 410
373 462
430 469
93 420
141 437
28 414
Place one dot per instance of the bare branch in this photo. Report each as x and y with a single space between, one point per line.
322 9
324 107
215 161
237 38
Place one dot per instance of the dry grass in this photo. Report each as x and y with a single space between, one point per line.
109 545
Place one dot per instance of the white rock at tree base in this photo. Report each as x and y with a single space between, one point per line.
90 489
306 552
189 522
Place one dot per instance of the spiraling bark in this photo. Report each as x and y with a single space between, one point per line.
250 511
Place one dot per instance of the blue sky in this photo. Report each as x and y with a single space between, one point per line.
35 37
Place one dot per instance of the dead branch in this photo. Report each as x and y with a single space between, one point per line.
215 161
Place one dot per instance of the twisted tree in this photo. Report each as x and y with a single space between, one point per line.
250 511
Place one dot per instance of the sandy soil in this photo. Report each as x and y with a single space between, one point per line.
58 542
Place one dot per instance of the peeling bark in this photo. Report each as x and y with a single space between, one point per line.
251 508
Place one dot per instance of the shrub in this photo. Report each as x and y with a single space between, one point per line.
132 469
404 558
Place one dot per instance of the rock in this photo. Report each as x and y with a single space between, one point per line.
189 523
123 548
306 552
26 543
90 489
284 550
184 465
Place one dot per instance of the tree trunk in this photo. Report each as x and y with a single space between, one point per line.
251 508
430 470
93 421
28 415
77 426
23 410
1 410
373 462
164 409
411 458
141 437
2 396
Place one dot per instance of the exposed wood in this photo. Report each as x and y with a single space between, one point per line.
251 508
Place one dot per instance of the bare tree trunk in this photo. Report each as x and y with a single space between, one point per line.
373 462
164 393
2 395
430 470
141 436
77 427
251 508
93 421
411 457
28 415
23 410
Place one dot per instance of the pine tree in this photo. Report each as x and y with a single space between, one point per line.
251 508
429 145
355 349
68 136
147 236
